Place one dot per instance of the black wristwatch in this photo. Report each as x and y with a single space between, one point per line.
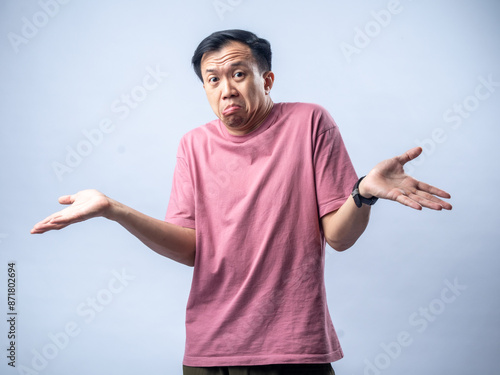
358 198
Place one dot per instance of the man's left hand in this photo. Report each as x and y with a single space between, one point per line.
388 180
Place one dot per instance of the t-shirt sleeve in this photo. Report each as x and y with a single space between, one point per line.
335 174
181 206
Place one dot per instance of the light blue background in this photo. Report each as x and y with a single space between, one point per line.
391 96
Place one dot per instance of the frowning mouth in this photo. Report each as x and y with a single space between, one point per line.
230 109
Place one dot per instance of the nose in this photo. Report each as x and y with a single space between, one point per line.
228 90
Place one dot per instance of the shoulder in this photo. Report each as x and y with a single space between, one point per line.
306 109
314 114
198 137
302 107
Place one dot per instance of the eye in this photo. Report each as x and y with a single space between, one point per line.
213 79
239 75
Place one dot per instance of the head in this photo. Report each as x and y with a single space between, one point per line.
235 68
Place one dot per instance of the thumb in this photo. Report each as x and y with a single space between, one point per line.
66 199
410 155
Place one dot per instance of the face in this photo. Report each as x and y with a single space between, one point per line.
236 89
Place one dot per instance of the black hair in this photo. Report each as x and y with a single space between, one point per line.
261 48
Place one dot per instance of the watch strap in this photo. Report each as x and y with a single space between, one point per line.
358 198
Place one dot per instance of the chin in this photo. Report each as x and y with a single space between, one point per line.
235 123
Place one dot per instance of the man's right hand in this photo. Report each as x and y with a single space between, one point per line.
170 240
85 205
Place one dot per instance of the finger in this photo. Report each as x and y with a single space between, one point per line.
50 222
42 228
44 221
46 224
39 229
66 199
62 221
407 201
409 155
432 190
57 220
430 201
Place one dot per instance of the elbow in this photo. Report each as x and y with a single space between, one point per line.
342 248
188 259
187 253
184 256
339 246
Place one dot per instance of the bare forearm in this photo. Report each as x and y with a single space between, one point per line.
343 227
173 241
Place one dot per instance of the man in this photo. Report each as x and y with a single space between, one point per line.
255 196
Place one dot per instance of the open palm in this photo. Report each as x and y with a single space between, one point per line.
388 180
84 205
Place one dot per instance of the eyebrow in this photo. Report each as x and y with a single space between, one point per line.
238 63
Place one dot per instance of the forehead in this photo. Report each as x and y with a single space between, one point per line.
233 52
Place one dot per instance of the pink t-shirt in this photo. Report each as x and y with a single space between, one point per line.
258 294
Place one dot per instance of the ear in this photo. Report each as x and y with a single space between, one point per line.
268 81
